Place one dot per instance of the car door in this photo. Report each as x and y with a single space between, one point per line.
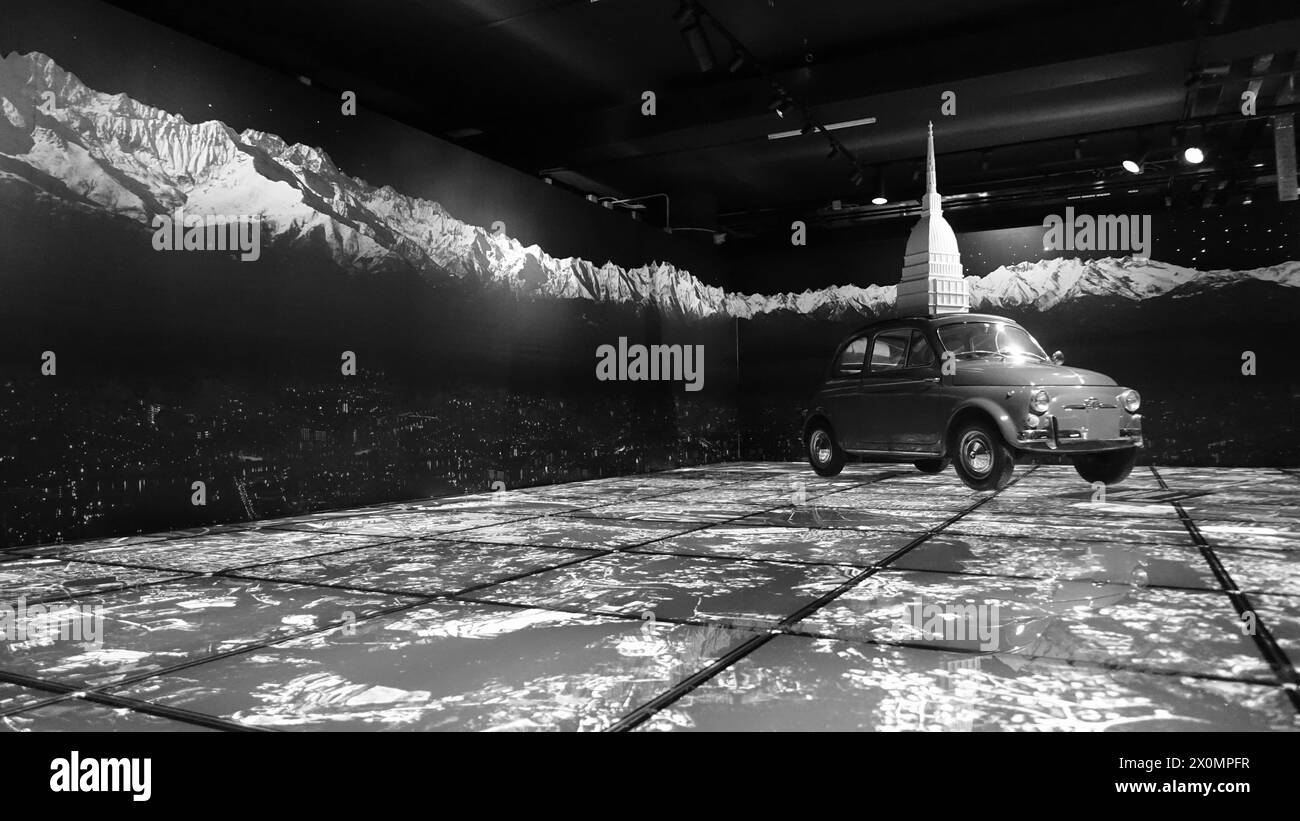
901 393
877 409
923 397
840 393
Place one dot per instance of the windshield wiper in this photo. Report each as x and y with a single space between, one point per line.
982 353
1027 353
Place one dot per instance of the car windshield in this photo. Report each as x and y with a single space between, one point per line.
971 340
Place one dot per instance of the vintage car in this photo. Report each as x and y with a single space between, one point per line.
975 390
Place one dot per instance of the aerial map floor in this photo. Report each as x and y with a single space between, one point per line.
728 597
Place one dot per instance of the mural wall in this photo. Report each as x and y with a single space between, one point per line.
193 299
212 274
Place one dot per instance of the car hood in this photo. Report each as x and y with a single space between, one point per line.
1020 373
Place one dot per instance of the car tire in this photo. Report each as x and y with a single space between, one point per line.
824 454
932 465
981 457
1110 467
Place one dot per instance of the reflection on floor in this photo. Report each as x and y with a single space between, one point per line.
736 596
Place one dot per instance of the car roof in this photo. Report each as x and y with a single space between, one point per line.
932 321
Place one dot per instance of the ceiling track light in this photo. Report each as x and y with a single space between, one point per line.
1138 163
688 17
1188 144
698 42
691 16
878 196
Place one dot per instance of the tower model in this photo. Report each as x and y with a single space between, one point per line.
932 276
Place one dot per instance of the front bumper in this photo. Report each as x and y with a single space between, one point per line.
1077 433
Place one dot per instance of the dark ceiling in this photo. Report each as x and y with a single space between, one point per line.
1050 97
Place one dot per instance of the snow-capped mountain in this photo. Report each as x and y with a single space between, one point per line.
1044 284
110 154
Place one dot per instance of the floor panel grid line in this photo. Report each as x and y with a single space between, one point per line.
1029 545
645 711
1273 654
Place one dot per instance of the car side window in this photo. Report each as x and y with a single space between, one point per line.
920 354
851 358
889 351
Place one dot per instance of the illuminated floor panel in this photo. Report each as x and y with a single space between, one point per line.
732 596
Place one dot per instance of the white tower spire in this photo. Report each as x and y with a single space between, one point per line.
931 201
932 280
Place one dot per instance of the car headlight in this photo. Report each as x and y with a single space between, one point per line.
1130 400
1039 401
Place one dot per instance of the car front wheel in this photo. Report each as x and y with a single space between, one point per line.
981 458
1110 467
824 455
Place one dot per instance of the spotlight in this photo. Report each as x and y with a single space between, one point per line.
879 197
737 63
698 42
1194 155
1136 162
780 105
856 179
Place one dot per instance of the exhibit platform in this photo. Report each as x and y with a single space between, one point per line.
740 596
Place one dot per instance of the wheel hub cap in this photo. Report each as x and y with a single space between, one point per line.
820 445
977 454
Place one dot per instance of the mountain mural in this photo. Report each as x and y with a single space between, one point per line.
476 349
109 154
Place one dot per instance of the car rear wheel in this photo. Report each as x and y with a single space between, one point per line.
932 465
981 458
1110 467
824 455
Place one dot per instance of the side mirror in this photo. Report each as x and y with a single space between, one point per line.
1058 358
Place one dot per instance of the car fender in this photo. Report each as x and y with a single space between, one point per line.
811 414
1000 415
